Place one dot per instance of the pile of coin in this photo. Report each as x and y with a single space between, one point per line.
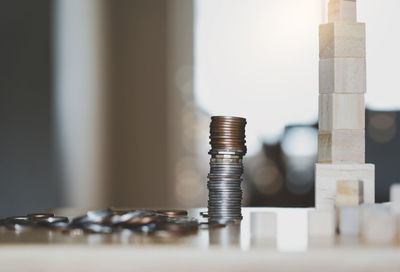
227 139
160 222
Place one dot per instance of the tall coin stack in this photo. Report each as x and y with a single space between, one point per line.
227 139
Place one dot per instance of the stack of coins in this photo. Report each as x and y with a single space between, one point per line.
227 139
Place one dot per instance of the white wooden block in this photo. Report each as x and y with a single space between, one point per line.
341 111
342 10
342 75
349 220
263 225
349 192
342 40
321 224
397 222
326 176
378 225
341 146
395 198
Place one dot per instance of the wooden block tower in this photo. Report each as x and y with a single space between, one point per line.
342 85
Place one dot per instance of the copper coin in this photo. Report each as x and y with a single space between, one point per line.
222 129
173 213
40 215
228 119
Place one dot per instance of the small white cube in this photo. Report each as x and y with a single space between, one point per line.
349 220
349 192
342 10
263 225
395 198
342 40
326 176
341 111
378 224
321 224
342 75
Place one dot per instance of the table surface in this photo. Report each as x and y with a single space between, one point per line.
223 249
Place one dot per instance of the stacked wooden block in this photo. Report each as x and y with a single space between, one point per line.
342 85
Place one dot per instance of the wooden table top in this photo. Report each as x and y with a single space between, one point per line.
224 249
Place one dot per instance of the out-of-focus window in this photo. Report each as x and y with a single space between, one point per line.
259 59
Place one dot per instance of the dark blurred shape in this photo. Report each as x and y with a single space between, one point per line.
282 174
137 102
28 175
279 178
383 149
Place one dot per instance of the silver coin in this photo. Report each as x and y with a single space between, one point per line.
211 215
227 187
224 204
222 156
226 197
234 200
225 174
235 184
235 174
218 189
222 163
219 197
225 201
223 171
226 169
214 212
224 213
233 164
228 191
220 178
231 176
228 179
224 208
224 183
228 213
52 220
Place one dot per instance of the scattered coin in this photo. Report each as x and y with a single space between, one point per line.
48 221
173 213
106 221
19 223
39 216
179 225
60 226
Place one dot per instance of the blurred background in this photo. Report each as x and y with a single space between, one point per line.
107 103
